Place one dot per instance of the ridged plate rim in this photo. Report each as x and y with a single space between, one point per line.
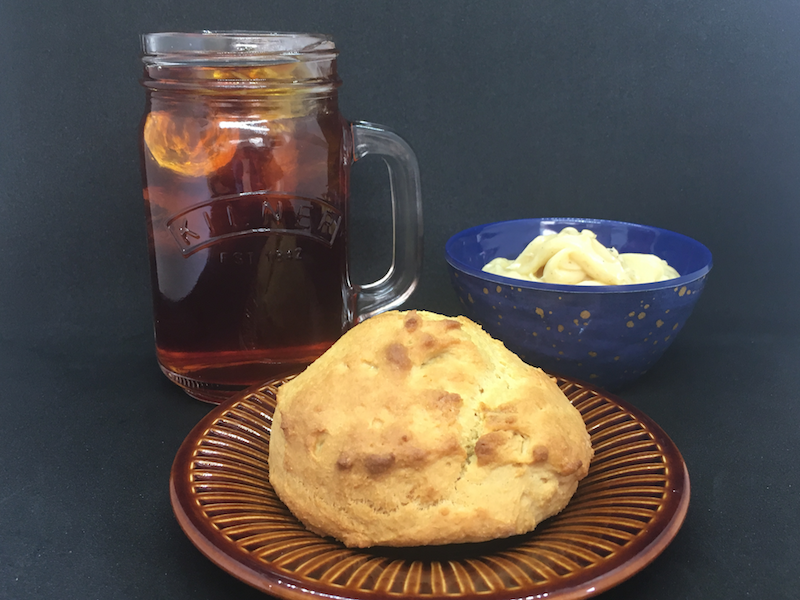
640 550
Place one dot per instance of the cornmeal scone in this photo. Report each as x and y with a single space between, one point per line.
418 429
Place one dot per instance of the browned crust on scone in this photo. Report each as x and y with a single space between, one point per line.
416 428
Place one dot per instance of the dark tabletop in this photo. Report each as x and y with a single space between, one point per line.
683 115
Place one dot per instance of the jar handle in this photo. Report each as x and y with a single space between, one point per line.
399 282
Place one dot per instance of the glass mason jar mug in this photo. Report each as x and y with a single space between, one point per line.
246 162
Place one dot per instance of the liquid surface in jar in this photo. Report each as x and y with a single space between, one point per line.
575 257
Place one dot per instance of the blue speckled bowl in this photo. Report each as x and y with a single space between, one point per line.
606 335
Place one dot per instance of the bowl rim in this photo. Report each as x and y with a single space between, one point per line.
576 289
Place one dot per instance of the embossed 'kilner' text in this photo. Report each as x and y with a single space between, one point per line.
254 213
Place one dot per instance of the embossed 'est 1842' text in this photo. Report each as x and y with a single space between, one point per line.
251 258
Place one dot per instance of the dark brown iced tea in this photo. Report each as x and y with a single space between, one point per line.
246 205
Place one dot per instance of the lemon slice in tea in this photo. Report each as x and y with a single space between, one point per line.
189 145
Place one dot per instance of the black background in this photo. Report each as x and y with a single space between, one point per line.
683 115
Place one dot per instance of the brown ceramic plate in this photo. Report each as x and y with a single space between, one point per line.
625 512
